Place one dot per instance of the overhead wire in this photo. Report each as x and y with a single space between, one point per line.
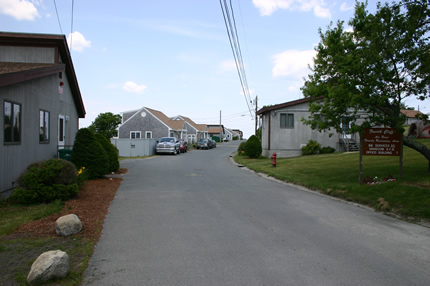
58 17
230 24
239 51
71 25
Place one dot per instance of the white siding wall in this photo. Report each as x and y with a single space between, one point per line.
287 142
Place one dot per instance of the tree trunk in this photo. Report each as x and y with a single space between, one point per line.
418 147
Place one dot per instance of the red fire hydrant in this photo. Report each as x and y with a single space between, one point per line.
274 159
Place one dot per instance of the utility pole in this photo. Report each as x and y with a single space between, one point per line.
220 131
256 120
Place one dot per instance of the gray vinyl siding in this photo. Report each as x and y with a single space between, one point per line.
35 95
287 142
27 54
143 124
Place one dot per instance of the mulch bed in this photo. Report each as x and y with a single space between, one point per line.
90 205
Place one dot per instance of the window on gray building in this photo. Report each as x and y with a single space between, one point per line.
135 134
44 127
287 120
11 123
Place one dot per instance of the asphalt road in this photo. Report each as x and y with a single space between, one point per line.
198 219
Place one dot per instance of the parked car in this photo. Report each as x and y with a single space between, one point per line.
168 145
213 143
204 143
183 146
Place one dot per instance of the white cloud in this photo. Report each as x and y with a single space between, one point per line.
227 65
134 87
293 63
267 7
293 88
77 42
19 9
344 7
349 29
322 12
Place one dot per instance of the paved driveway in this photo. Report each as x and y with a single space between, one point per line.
197 219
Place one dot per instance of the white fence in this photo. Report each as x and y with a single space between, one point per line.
135 147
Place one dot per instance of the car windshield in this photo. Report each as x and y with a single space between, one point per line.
203 140
168 139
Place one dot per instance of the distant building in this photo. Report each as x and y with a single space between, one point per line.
284 133
150 123
411 115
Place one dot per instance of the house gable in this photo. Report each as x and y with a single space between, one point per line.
142 120
51 50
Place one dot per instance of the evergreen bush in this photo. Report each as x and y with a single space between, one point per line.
89 153
111 152
253 147
47 181
312 148
241 148
327 150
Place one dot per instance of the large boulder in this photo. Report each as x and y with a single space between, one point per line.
68 225
49 265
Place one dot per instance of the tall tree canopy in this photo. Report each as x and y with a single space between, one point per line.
367 73
106 124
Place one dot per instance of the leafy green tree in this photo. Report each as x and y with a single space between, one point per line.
366 74
106 124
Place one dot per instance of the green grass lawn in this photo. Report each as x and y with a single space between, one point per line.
337 174
12 216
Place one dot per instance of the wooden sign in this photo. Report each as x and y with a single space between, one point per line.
382 142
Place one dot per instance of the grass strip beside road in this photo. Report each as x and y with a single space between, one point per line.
337 175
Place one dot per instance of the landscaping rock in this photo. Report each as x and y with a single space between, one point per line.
68 225
51 264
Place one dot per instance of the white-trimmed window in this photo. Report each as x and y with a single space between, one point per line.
148 134
287 120
135 134
44 126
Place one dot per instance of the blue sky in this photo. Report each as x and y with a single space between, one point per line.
174 55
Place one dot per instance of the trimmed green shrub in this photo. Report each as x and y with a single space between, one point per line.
327 150
111 152
253 147
47 181
89 153
241 148
312 148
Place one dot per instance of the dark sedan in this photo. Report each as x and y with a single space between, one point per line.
204 144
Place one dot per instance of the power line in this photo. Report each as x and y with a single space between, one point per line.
71 25
58 18
230 24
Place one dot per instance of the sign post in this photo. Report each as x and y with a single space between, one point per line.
381 142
